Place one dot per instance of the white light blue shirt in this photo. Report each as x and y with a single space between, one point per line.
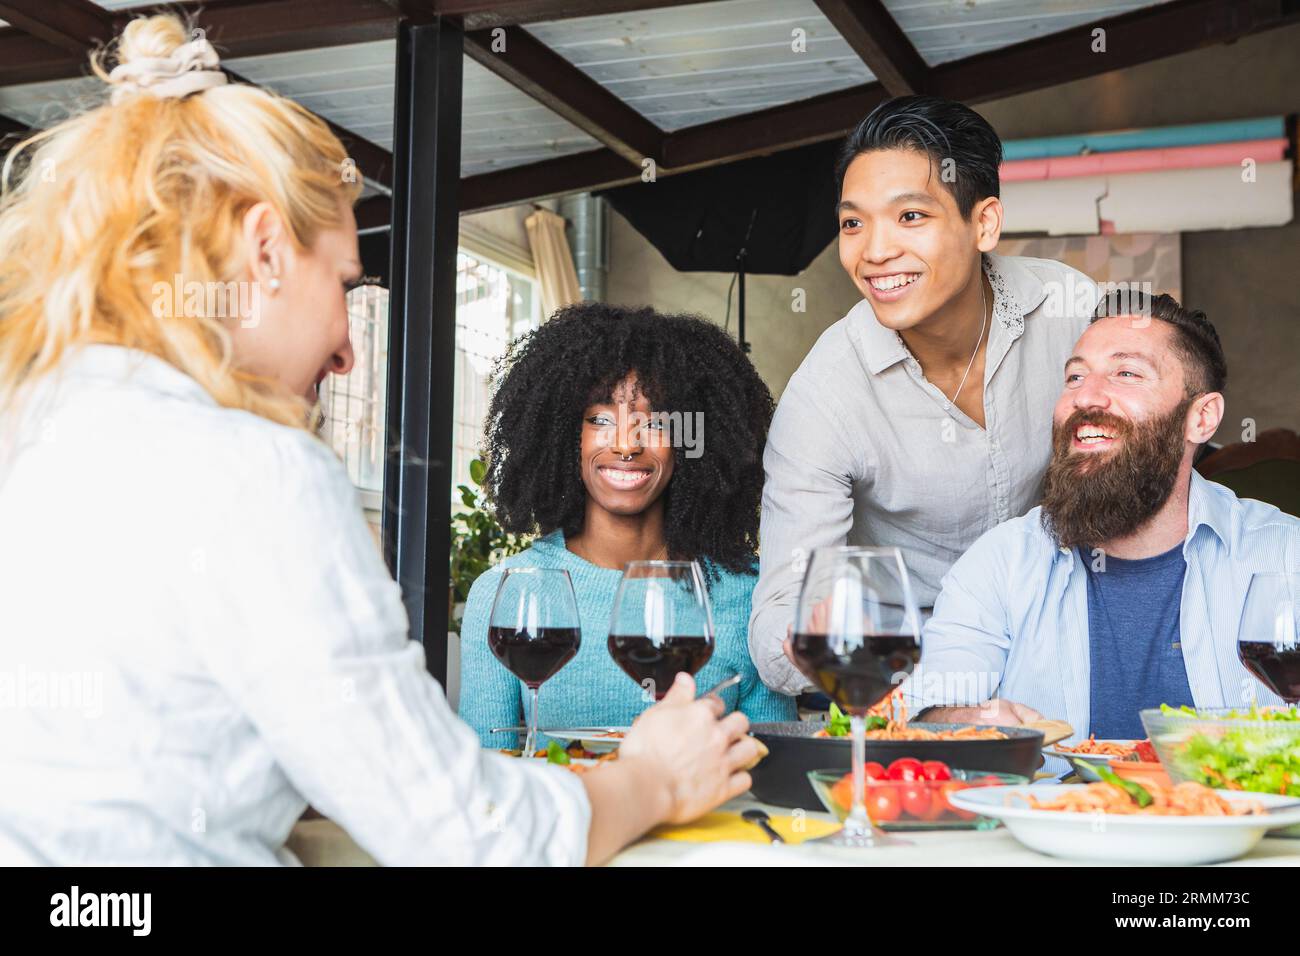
199 636
1012 618
864 450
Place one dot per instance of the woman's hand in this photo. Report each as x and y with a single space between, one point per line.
696 758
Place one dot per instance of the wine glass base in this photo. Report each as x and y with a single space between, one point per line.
859 839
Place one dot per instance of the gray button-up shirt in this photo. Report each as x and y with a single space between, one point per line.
863 450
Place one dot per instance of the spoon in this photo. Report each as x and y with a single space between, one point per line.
760 818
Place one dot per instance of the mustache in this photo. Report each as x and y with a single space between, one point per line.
1093 416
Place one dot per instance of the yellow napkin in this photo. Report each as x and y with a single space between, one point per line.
729 827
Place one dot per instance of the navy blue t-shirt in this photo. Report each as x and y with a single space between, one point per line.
1133 639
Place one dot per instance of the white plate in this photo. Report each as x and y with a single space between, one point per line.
1087 760
1121 838
591 738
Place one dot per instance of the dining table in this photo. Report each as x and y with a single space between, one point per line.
322 842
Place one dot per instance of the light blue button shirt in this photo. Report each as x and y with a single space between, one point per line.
1012 618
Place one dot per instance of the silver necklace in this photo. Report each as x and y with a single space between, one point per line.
984 314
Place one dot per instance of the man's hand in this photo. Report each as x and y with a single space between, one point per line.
696 757
788 646
996 712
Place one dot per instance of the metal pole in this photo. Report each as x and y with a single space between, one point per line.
422 326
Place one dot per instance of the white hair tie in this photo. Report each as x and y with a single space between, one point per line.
192 68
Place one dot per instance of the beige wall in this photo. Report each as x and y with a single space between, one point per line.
781 336
1247 281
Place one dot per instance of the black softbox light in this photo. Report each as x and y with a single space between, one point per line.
770 215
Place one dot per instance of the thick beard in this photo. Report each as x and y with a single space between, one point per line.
1092 497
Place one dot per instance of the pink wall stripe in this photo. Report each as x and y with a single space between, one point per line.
1145 160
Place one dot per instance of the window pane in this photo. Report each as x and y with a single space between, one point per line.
493 306
353 404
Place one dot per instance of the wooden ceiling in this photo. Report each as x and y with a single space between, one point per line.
48 40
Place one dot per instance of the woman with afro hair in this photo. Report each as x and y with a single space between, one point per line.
620 435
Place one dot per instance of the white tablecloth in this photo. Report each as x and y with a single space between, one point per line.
323 843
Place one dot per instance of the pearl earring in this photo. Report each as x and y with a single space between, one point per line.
274 283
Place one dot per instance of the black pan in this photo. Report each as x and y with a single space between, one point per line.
781 778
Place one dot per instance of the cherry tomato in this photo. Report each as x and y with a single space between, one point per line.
842 792
946 789
883 805
905 768
915 798
935 770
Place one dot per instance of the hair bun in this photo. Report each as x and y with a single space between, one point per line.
156 56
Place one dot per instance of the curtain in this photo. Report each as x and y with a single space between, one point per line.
553 260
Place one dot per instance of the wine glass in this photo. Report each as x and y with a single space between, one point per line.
534 630
857 634
661 623
1268 640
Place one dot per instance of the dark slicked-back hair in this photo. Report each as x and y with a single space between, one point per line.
1195 339
547 379
942 130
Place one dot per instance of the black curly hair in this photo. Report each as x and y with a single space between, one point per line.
548 378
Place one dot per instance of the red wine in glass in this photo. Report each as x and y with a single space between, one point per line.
1268 641
533 658
661 624
656 664
1277 669
856 634
857 675
534 630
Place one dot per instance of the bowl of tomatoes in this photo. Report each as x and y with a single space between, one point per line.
910 794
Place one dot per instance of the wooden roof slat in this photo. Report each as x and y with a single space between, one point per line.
565 90
881 43
73 25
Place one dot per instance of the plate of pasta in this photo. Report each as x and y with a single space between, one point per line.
1086 754
1119 821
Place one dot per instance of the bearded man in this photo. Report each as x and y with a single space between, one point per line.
1124 589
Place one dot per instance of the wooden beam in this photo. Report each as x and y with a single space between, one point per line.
11 127
596 169
373 161
481 14
70 25
522 61
11 133
1131 39
373 212
258 27
880 42
776 128
237 28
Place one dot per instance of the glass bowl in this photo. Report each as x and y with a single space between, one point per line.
1228 749
911 805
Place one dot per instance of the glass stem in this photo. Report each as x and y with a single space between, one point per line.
530 742
858 822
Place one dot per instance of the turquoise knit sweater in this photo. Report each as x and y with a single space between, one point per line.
591 690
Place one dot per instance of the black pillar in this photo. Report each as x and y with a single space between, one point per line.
422 326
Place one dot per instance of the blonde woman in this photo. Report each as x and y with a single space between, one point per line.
199 633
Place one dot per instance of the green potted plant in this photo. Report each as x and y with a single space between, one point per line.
477 541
